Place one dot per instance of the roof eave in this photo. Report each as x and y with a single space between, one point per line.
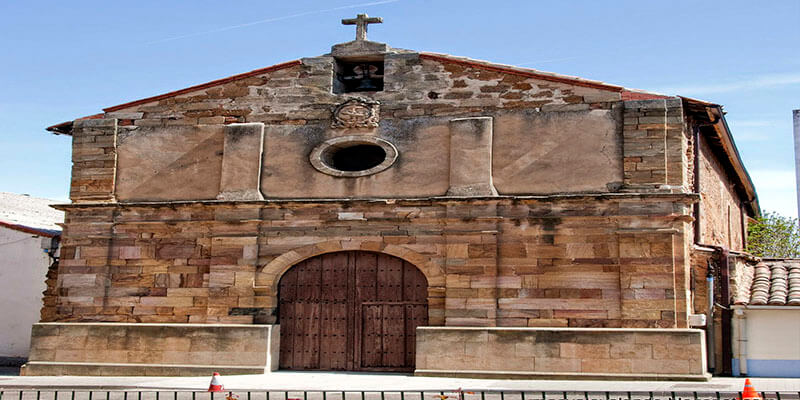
31 230
202 86
765 307
723 133
65 128
526 72
736 160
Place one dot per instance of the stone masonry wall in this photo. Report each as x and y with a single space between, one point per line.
655 145
113 349
721 211
421 94
414 85
94 160
553 352
598 260
604 244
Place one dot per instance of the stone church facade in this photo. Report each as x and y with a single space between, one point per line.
378 209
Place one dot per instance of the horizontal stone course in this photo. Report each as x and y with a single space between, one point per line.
514 262
177 349
589 352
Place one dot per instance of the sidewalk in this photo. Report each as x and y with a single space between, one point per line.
343 381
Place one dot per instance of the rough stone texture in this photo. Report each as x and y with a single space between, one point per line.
723 220
358 47
553 261
568 207
471 157
742 279
179 163
554 152
574 352
654 145
420 97
241 162
151 349
94 160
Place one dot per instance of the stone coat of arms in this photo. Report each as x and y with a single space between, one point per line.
356 112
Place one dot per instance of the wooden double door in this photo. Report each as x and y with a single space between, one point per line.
351 310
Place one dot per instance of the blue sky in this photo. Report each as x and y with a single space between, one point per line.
63 60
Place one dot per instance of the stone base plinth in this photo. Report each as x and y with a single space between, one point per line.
562 353
116 349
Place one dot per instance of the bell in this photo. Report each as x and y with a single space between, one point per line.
366 85
364 74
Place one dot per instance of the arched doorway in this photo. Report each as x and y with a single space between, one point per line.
351 310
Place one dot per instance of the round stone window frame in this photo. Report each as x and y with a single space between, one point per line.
319 154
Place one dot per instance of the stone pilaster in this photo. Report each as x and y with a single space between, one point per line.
94 160
471 157
654 148
241 162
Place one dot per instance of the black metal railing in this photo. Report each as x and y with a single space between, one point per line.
156 394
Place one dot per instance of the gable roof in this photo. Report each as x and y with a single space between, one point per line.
202 86
526 72
625 93
714 127
713 112
66 127
30 214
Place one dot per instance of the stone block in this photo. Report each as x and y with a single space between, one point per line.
94 123
550 365
617 366
241 162
584 351
611 353
78 280
169 348
124 115
631 351
471 157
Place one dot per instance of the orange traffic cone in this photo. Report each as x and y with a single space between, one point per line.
216 385
749 393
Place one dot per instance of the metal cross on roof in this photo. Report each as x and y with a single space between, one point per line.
361 22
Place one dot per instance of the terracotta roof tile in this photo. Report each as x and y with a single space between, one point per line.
776 282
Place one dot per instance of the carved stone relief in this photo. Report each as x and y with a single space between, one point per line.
357 112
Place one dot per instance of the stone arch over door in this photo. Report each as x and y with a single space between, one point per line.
351 310
279 265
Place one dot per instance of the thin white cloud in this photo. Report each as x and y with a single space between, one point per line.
777 179
761 128
776 190
750 83
268 20
754 130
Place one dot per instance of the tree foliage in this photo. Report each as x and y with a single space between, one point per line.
774 236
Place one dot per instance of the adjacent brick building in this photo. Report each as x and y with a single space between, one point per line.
385 209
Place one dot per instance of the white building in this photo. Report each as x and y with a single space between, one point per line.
28 244
767 328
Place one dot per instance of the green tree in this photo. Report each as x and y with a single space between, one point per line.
774 236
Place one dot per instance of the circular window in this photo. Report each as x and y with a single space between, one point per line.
353 156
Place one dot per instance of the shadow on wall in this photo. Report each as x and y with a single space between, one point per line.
9 366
